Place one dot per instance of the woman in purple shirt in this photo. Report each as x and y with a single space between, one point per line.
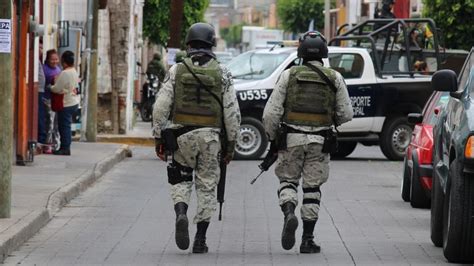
51 71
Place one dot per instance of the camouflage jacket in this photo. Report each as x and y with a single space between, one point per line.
165 99
274 110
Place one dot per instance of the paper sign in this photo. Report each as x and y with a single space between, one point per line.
5 36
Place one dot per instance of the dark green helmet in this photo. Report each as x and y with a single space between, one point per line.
202 32
312 45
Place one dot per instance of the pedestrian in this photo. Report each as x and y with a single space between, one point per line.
199 99
66 84
41 101
307 107
156 67
51 71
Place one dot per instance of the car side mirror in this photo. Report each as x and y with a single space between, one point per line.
415 118
444 80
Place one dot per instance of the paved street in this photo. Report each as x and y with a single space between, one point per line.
127 218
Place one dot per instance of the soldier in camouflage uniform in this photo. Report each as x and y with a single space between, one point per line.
307 107
197 113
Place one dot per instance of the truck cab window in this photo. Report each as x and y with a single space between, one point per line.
349 65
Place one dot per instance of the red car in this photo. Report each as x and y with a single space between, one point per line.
418 164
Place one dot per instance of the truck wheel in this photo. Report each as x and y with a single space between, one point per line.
405 187
344 149
395 138
252 141
418 198
437 199
458 210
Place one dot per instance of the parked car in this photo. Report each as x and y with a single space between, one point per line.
418 164
223 57
452 197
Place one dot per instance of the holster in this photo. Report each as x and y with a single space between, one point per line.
178 173
330 142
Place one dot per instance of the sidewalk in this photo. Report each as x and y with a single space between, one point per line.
140 135
41 189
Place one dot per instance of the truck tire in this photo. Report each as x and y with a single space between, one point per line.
418 197
344 149
395 138
252 141
458 225
405 187
437 199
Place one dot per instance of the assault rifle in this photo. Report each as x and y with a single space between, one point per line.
268 161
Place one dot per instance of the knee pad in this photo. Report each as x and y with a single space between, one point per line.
178 173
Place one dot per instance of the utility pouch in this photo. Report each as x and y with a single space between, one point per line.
169 139
174 174
330 142
282 133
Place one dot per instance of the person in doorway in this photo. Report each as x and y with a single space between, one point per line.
66 84
51 71
42 131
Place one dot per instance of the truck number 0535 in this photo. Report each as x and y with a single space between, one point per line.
251 95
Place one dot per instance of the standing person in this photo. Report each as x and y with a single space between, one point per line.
41 101
197 116
66 84
51 71
156 67
308 108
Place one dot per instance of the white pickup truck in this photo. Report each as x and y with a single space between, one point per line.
380 104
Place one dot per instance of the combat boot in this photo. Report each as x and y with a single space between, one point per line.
181 233
289 226
199 245
307 243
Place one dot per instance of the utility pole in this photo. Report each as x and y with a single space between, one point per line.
327 20
89 121
176 19
6 111
91 132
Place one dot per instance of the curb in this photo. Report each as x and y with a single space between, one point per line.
34 221
129 140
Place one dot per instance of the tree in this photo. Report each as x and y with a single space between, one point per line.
295 15
156 18
454 19
232 35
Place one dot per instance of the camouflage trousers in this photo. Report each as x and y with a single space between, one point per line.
310 164
199 150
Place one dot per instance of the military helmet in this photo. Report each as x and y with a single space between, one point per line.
203 32
312 45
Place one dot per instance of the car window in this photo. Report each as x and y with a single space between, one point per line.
465 72
255 66
439 101
349 65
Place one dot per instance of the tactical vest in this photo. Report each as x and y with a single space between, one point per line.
309 100
194 105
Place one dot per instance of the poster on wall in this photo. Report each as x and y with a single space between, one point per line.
5 36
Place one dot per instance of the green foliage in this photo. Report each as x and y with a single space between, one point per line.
232 35
295 15
454 18
156 18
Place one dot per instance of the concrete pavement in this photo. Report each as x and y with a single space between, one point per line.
128 218
41 189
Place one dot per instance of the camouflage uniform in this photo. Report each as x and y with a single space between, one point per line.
303 156
198 149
